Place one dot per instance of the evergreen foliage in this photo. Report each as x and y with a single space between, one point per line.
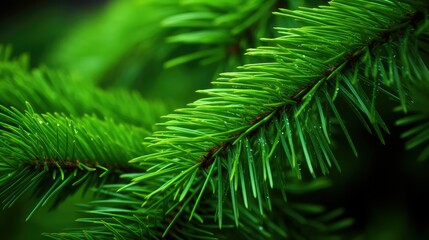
230 164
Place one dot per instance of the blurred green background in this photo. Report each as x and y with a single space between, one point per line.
123 44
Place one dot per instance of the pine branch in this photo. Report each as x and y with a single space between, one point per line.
50 155
271 116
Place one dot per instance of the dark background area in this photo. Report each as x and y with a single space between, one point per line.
385 189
